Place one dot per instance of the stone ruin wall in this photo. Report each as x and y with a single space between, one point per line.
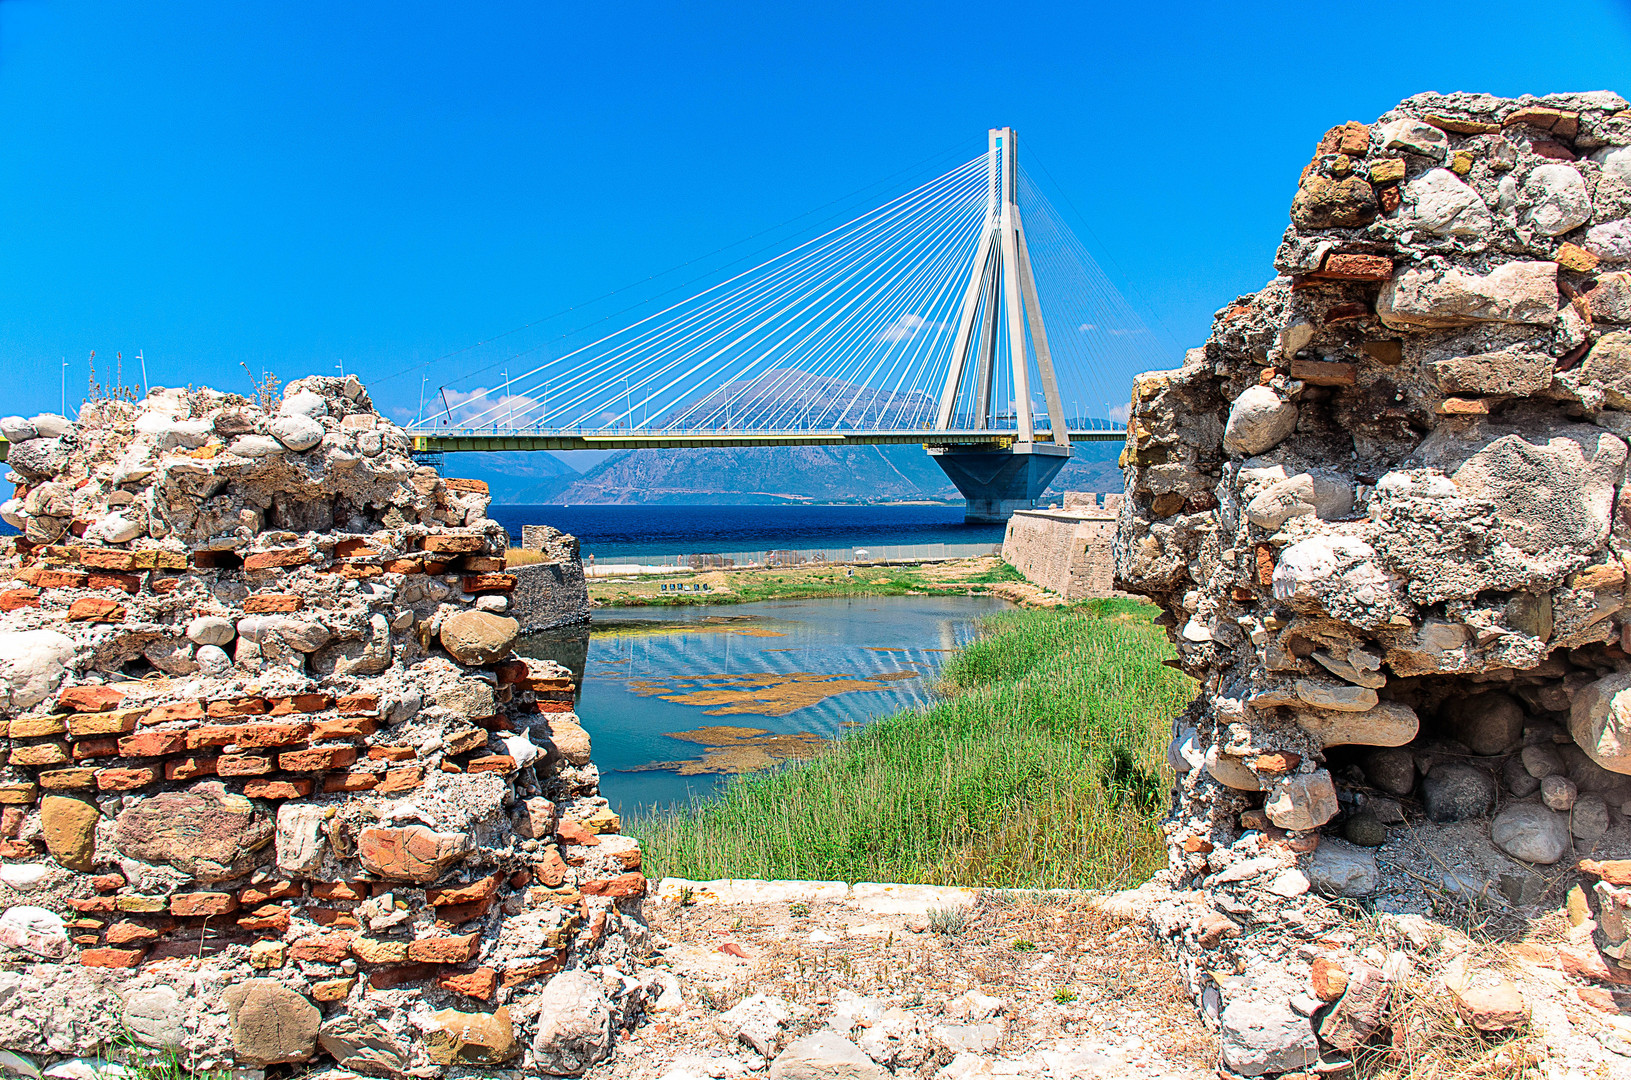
554 592
276 787
1384 511
1070 551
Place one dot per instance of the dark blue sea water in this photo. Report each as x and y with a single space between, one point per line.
612 531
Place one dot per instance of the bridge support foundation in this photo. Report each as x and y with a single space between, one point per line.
996 482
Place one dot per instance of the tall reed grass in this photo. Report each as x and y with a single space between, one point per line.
1043 765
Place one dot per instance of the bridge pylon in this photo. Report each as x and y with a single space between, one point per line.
1001 290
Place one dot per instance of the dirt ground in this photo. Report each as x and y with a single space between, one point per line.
1084 994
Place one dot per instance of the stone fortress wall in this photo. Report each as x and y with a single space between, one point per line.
1068 549
552 593
1383 509
276 787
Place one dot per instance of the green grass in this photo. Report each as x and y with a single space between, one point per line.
1042 766
805 583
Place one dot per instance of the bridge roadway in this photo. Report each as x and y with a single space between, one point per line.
455 440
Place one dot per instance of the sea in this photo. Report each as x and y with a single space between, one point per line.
610 533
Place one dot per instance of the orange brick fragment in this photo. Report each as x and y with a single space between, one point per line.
350 781
328 948
399 780
239 706
462 894
489 582
347 727
270 603
58 579
89 698
265 788
455 544
278 559
391 753
450 949
189 768
203 903
243 765
13 599
126 779
340 890
263 736
481 983
95 609
499 763
180 710
129 583
267 919
152 743
300 703
317 759
358 704
112 958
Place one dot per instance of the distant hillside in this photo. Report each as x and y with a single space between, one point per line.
514 477
801 474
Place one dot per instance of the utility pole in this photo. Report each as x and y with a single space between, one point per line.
64 386
141 357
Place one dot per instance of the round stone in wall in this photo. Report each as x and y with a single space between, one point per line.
1455 791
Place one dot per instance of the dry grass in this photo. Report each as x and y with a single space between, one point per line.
1430 1041
522 557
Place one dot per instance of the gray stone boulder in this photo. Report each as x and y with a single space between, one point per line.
271 1024
1440 296
1455 791
1338 868
1440 203
1264 1034
1259 420
1555 199
1531 832
32 663
298 433
574 1024
825 1055
1488 723
1600 721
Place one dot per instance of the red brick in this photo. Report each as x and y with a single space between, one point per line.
273 603
1265 565
44 753
499 763
573 832
267 736
59 579
354 548
346 727
621 885
328 948
112 958
14 599
340 890
129 583
489 583
325 916
255 895
481 983
385 978
552 706
455 544
511 672
451 949
189 768
68 779
117 722
89 698
277 789
282 557
243 765
108 882
180 710
1389 198
203 903
516 974
404 779
94 748
358 705
161 586
95 609
110 559
212 735
403 566
91 903
317 759
21 849
550 870
484 564
391 753
1324 372
459 483
350 781
1341 267
268 919
454 914
11 822
126 779
300 703
152 743
239 706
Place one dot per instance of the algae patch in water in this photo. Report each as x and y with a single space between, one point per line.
729 749
764 694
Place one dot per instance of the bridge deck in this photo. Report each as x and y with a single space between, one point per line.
455 440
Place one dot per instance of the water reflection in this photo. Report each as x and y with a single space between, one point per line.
800 671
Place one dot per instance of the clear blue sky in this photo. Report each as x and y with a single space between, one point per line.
290 185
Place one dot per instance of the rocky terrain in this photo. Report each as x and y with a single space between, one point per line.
1383 508
276 788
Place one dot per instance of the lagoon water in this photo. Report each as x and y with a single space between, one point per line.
799 672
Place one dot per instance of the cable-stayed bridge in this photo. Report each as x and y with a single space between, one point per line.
918 322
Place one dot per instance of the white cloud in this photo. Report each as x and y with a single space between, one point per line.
907 327
485 408
1119 413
